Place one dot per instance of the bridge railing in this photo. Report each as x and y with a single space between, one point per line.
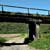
28 9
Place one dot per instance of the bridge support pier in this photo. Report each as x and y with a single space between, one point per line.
37 30
33 30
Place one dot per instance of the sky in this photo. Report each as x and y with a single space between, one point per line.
42 4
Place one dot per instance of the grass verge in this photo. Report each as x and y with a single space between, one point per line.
2 39
41 43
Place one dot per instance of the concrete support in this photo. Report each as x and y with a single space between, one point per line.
37 30
33 30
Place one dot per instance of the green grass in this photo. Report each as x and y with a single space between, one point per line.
2 39
44 40
13 28
41 43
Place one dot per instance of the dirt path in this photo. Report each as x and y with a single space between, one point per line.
17 47
16 39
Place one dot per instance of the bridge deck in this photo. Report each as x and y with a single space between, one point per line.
24 14
5 15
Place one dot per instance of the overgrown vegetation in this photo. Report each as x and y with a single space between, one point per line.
43 43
